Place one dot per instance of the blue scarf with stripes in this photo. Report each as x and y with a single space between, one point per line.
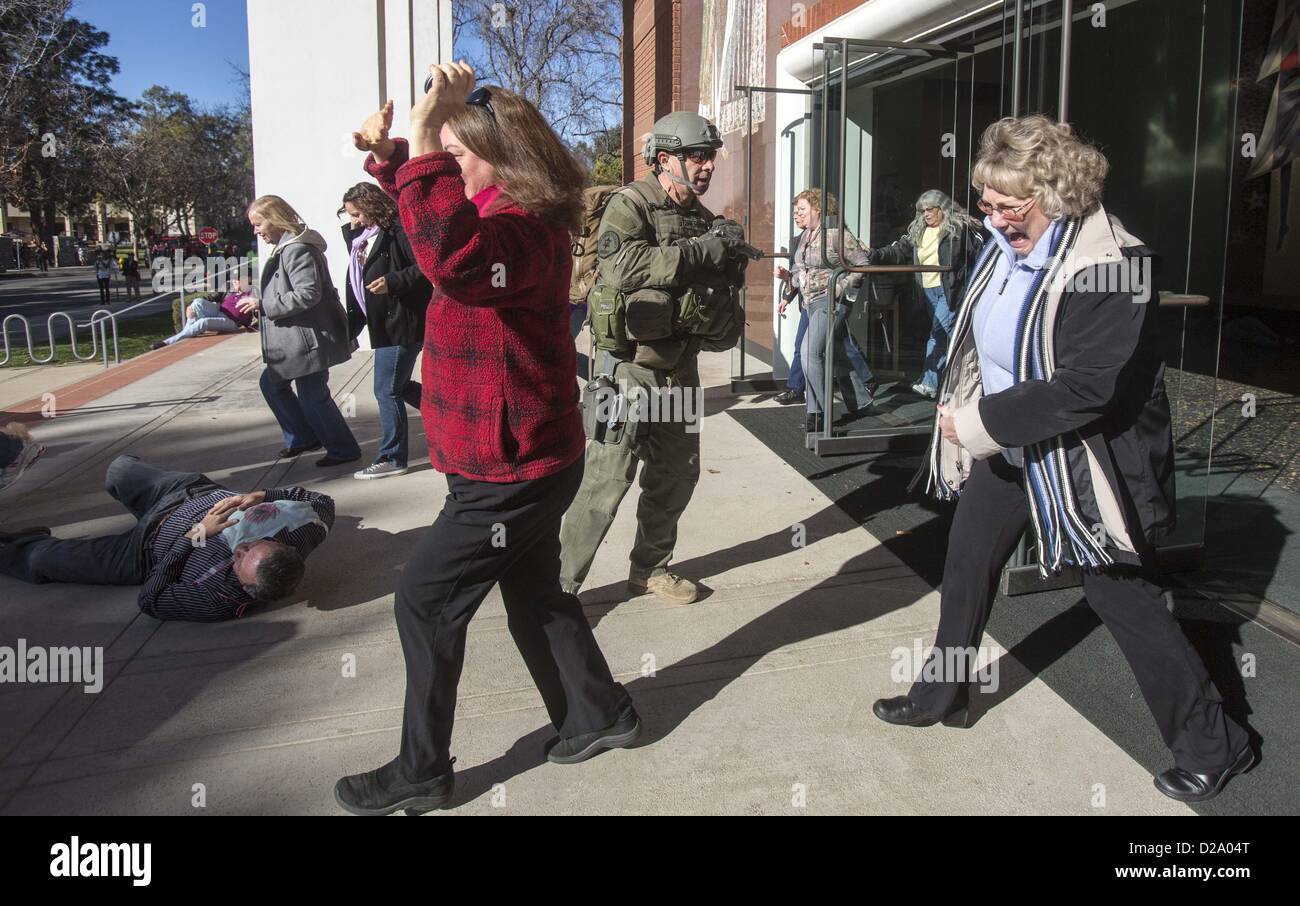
1063 535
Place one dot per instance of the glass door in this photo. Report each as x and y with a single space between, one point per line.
757 362
892 125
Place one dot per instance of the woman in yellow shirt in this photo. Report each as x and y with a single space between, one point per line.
941 234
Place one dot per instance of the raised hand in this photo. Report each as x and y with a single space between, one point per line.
451 85
373 136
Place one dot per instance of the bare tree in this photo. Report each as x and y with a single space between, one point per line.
562 55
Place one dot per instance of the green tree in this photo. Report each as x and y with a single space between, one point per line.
607 166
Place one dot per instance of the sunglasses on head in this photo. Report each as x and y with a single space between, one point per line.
479 97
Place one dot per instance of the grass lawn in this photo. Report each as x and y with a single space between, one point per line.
133 337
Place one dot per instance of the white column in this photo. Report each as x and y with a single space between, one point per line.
317 69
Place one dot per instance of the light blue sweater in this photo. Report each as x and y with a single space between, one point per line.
997 314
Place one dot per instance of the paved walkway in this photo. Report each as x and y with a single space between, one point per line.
756 699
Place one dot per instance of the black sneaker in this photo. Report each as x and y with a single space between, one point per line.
788 397
326 461
384 791
579 748
291 452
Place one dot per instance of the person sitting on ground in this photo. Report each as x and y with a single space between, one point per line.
213 314
203 552
18 450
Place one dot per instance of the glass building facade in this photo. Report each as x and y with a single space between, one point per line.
1187 98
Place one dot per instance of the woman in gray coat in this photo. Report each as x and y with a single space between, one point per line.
304 333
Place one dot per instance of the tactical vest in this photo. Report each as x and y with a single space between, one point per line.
690 311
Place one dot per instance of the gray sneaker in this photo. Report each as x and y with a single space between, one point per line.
671 588
383 469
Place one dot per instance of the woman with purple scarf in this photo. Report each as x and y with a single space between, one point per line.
387 296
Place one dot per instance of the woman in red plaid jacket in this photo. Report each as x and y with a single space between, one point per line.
489 196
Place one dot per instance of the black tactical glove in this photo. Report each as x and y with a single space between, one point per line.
734 233
705 252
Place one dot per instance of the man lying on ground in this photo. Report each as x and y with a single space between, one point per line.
203 552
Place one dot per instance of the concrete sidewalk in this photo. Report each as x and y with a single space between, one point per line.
755 700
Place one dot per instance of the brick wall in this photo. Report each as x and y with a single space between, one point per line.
652 83
815 16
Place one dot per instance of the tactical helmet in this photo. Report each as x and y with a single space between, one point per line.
677 132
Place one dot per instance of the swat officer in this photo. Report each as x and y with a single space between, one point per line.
667 285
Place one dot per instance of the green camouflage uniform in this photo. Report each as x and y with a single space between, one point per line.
640 257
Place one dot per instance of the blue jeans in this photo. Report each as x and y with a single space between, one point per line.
796 380
936 351
309 417
203 315
393 367
150 493
852 351
853 386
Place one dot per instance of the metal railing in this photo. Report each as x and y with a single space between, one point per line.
98 344
101 317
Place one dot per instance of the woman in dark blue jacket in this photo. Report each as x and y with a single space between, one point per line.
1053 417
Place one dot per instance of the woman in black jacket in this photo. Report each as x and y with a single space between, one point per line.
942 233
1053 417
387 296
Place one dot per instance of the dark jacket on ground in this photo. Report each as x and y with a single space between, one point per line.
395 318
958 252
303 325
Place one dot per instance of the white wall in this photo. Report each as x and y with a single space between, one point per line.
320 67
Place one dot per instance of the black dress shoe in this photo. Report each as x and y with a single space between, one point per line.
902 711
786 397
384 790
622 734
291 452
1183 785
326 461
815 421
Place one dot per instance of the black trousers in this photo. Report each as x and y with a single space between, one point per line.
490 533
150 493
991 515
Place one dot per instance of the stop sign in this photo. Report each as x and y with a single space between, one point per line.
208 235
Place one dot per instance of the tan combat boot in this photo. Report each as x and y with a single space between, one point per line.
671 588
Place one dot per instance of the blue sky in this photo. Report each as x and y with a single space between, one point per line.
156 44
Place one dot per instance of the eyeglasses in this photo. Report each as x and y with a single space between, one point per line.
700 155
1010 215
481 97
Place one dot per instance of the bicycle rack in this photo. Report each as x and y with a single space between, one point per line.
98 344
